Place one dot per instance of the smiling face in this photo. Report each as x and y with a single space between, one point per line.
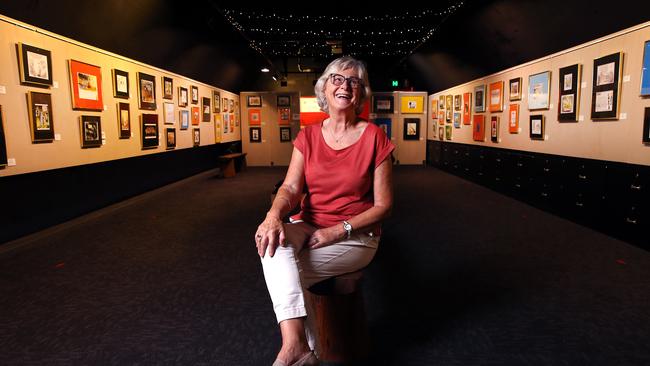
343 96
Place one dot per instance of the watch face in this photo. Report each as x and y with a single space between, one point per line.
347 226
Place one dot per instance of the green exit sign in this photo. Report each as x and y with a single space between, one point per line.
395 83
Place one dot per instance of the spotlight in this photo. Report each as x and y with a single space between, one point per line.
264 69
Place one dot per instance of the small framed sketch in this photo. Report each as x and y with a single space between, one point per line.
457 102
513 118
224 104
124 120
494 128
569 102
254 101
284 116
434 109
448 132
170 139
216 100
168 87
91 131
120 84
411 129
515 89
467 108
284 100
449 102
478 128
385 124
205 105
382 103
196 116
147 91
479 99
606 87
539 86
537 127
254 117
182 97
194 93
645 70
226 122
196 137
231 105
496 96
169 113
86 86
3 142
255 134
412 104
149 131
441 133
35 65
185 119
285 134
646 126
457 116
41 120
441 102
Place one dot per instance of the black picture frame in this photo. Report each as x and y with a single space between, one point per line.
146 91
194 94
411 129
251 101
41 117
167 87
479 99
183 97
120 84
606 87
646 126
196 134
515 86
255 134
568 106
170 138
206 109
35 65
537 126
216 101
3 141
285 134
124 120
494 128
457 102
284 100
383 104
90 129
149 131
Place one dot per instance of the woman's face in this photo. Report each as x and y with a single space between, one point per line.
347 94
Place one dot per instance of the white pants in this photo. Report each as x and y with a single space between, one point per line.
294 268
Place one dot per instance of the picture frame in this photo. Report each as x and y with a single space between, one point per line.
254 117
478 127
645 70
41 117
226 122
434 109
449 115
412 104
285 134
539 91
479 98
411 129
146 91
184 117
168 113
85 86
255 134
3 141
120 84
606 87
182 97
569 95
448 132
218 132
284 116
467 108
646 126
386 125
196 116
449 102
457 102
496 96
383 104
441 102
170 138
196 137
253 101
513 118
149 131
515 86
494 129
35 65
90 128
457 117
194 94
224 104
231 105
283 100
537 126
168 87
441 133
216 99
207 109
441 117
124 120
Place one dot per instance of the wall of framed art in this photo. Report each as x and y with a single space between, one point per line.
587 102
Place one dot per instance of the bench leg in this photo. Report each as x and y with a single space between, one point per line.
229 169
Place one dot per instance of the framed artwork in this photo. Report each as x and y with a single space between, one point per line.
413 104
91 131
478 128
254 117
216 99
169 113
224 104
226 122
385 124
185 119
120 84
168 87
515 89
457 119
382 103
494 128
513 118
537 127
284 100
441 133
147 91
479 99
171 138
284 115
457 102
285 134
205 105
35 65
195 116
255 134
41 120
645 70
434 109
3 142
449 102
441 102
86 86
411 129
606 86
182 97
496 96
646 126
231 105
232 123
539 86
194 94
149 130
467 108
124 120
569 102
217 128
447 132
196 137
254 101
449 114
441 117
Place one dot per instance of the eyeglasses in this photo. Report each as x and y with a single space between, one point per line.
338 80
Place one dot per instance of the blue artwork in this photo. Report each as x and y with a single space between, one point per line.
645 71
384 124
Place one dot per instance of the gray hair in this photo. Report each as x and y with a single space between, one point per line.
340 64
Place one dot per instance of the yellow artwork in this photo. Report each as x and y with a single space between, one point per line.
217 127
413 104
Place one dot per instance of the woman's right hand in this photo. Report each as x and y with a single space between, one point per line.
269 235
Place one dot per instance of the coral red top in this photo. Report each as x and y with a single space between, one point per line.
339 182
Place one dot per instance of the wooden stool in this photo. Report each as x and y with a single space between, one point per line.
232 163
340 320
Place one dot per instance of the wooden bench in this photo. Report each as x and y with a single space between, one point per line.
230 164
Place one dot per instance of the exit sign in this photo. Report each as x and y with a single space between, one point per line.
395 83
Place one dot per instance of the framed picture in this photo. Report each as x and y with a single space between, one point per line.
513 118
539 91
185 119
457 116
226 122
149 131
196 137
124 120
569 103
606 87
447 132
146 91
120 84
224 104
168 87
645 70
441 102
496 96
413 104
478 128
86 86
91 131
3 141
441 133
449 102
646 126
194 94
479 99
449 114
382 103
205 105
515 89
467 108
494 128
434 109
457 102
171 138
255 134
254 101
284 100
285 134
169 113
182 97
216 99
232 123
217 128
196 116
254 117
41 119
231 105
411 129
284 116
441 117
35 65
385 124
537 127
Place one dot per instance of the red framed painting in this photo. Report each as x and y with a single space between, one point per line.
478 130
513 118
86 86
284 116
467 108
496 96
254 117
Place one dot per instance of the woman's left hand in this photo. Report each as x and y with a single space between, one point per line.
323 237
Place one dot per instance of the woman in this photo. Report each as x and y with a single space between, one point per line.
345 163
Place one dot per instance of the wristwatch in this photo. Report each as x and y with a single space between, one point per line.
348 228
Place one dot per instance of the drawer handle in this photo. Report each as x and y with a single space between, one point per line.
582 176
631 221
633 186
520 165
579 204
544 194
498 160
547 170
518 185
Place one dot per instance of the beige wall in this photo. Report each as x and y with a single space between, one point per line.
617 140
